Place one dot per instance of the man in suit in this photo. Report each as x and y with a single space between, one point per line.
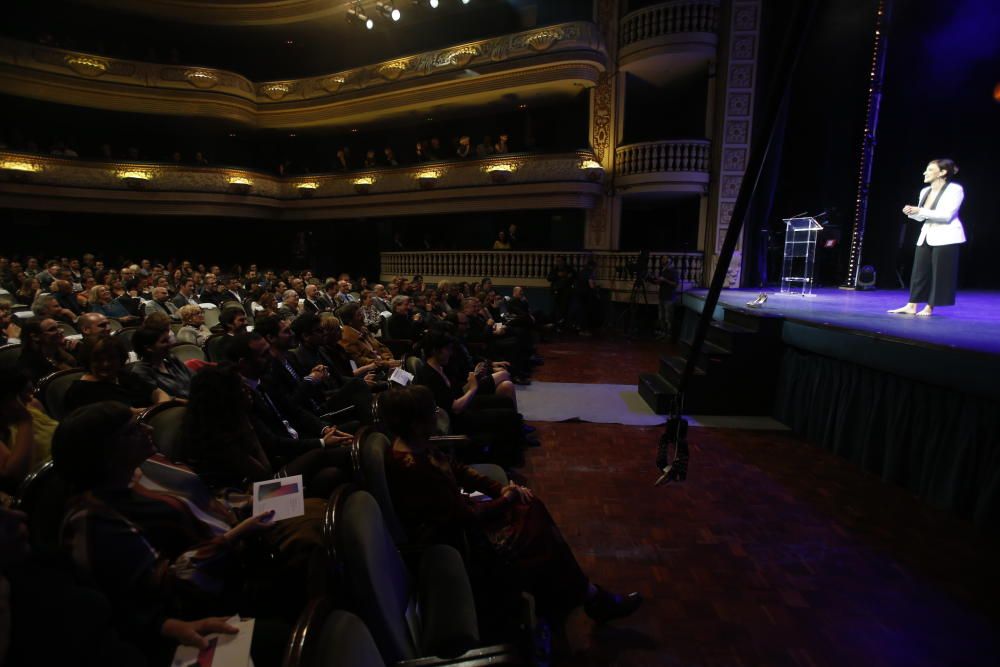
289 307
185 294
210 291
286 431
344 295
234 290
313 302
160 303
380 299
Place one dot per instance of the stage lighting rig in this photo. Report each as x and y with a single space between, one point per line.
388 10
356 15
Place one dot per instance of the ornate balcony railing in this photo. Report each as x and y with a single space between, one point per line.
691 155
679 16
531 268
500 182
570 51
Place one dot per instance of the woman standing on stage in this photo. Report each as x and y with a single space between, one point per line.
935 264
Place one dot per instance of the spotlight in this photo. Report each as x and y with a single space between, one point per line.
433 4
465 2
356 15
388 10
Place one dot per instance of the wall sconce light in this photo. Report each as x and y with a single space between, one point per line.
428 179
18 170
593 169
135 178
240 185
500 173
363 185
307 189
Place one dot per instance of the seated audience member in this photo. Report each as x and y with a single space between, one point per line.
286 431
514 542
434 150
390 157
420 154
102 301
210 291
370 161
361 346
496 379
17 431
314 301
233 290
502 145
150 535
43 350
93 324
193 329
29 290
160 303
220 443
303 387
289 307
62 290
47 306
337 359
39 593
107 380
343 295
162 324
10 330
185 294
233 321
266 304
157 366
370 312
340 163
464 147
485 148
380 299
402 324
311 361
501 242
484 416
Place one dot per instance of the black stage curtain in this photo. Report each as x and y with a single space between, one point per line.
940 444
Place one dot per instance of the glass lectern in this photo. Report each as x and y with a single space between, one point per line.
800 255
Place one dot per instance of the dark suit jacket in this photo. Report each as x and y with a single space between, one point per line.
180 300
278 444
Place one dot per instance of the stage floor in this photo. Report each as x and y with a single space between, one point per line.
972 324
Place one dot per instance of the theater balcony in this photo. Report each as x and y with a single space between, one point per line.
542 61
614 270
515 181
657 41
676 166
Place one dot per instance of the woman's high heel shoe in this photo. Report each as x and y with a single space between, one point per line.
604 606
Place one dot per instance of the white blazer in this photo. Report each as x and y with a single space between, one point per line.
941 223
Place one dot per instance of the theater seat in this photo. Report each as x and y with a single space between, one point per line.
185 352
166 419
52 391
125 334
9 355
215 347
327 637
433 615
43 496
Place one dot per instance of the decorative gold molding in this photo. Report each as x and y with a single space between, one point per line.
530 181
56 75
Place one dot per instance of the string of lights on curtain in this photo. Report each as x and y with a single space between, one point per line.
357 15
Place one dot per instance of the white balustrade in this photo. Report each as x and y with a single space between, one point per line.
663 156
614 269
669 18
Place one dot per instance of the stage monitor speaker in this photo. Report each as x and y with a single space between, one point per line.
866 277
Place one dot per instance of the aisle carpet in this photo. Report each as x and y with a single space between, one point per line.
612 404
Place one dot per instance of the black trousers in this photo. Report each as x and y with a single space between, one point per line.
935 275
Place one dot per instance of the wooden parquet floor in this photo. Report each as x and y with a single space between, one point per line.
772 553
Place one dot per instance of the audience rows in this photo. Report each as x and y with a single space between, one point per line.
145 401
